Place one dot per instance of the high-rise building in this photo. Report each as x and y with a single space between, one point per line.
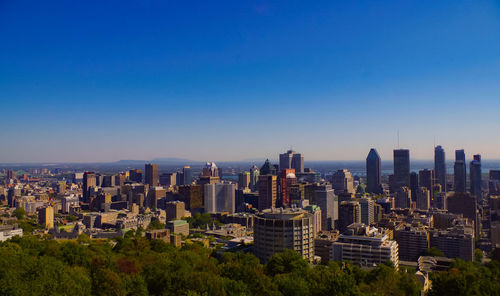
403 198
349 213
254 178
494 182
188 176
210 170
219 197
423 198
457 242
292 160
46 217
135 175
175 210
268 191
243 180
151 177
329 205
440 166
475 178
192 197
414 185
316 211
365 246
413 241
401 168
278 229
460 172
267 168
287 179
89 181
367 210
168 179
343 182
373 172
465 204
426 179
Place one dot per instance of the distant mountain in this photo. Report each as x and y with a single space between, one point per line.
174 160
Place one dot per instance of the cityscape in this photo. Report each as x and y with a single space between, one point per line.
238 148
416 222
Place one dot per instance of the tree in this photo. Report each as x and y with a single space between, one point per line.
433 251
19 213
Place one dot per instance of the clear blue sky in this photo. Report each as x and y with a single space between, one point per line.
230 80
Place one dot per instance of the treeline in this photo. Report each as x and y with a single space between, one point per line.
136 266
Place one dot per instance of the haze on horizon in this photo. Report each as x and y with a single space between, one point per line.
101 81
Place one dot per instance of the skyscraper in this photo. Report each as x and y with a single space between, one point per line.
268 191
373 172
135 175
460 172
414 185
292 160
254 177
329 205
219 197
243 180
475 178
440 166
343 182
89 181
401 168
188 176
151 177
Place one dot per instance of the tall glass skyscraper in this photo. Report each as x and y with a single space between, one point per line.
475 178
460 172
401 168
373 172
440 166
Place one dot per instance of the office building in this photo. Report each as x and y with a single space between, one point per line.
342 182
267 168
426 179
373 172
462 203
414 180
219 197
423 198
178 227
494 182
188 176
460 172
46 217
456 242
476 179
191 195
210 170
89 181
135 175
244 180
440 166
254 178
401 168
413 241
327 201
151 177
349 213
403 198
278 229
317 218
175 210
168 179
366 206
287 179
365 246
292 160
268 191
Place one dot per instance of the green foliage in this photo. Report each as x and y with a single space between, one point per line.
19 213
156 224
134 265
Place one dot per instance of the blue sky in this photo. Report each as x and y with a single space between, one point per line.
232 80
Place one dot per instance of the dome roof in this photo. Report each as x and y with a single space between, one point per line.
290 176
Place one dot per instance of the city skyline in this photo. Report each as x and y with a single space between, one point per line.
214 81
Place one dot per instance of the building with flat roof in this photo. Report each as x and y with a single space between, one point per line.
278 229
365 246
178 227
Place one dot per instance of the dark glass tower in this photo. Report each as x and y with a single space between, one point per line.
373 172
151 177
460 171
401 168
440 166
475 178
